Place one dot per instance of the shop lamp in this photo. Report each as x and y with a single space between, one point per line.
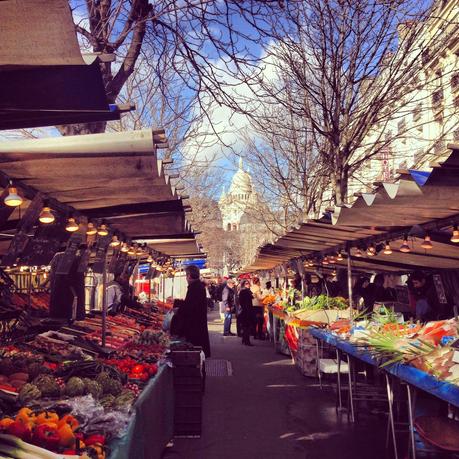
150 259
331 259
132 251
311 264
124 248
455 236
427 244
334 273
102 230
358 253
371 251
46 216
91 229
340 257
405 248
139 252
13 199
387 249
72 225
325 261
115 241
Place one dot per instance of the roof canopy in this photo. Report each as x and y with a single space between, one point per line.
44 80
114 177
419 204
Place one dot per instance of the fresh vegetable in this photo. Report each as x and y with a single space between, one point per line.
69 420
74 387
46 436
47 417
29 393
66 436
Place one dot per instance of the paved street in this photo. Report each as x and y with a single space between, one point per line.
267 410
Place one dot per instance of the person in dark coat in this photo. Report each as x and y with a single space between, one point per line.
245 315
193 312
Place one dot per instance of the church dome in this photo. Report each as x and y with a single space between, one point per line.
242 182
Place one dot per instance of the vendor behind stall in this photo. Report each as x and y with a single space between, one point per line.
423 290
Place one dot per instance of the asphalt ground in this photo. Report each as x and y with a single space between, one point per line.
268 410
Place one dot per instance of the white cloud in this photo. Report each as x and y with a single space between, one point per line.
227 123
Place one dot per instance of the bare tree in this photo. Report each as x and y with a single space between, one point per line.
200 42
344 71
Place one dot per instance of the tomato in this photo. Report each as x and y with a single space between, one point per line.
138 368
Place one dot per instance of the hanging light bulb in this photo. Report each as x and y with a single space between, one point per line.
455 236
102 230
427 244
91 229
115 241
150 259
334 273
387 249
311 264
132 251
72 225
358 253
331 259
339 257
325 261
46 216
371 251
13 199
124 248
405 248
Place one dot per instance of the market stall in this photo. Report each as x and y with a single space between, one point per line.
94 369
399 230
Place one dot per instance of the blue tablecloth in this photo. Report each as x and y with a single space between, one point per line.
420 379
152 426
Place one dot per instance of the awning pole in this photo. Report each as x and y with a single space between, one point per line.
349 283
104 300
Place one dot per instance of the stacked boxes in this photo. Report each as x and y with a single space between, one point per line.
306 356
188 388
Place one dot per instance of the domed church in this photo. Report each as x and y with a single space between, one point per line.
240 198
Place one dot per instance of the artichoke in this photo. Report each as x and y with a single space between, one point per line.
35 369
107 401
124 400
29 393
47 385
109 385
92 387
74 387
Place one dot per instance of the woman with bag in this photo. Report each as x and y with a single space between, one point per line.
258 309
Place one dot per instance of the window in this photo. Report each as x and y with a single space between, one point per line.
456 135
455 82
439 147
437 97
425 57
401 126
418 156
417 113
438 116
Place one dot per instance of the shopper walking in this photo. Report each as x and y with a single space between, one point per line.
245 316
193 312
228 306
258 309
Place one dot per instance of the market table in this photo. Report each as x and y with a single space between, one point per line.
152 425
412 376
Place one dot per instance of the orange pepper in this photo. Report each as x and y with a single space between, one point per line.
5 422
47 417
26 415
70 421
67 437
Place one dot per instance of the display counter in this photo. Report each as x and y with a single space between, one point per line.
152 426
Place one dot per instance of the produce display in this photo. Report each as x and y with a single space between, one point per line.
63 395
390 340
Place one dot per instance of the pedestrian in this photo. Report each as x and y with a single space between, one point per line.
193 312
228 306
258 317
245 315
